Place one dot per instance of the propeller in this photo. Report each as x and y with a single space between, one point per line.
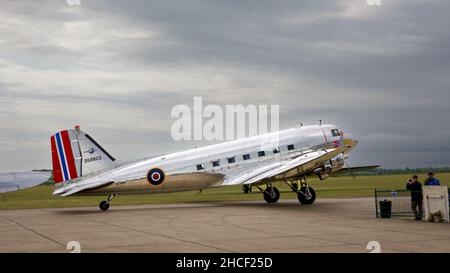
350 170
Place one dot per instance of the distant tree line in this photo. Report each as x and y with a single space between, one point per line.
407 170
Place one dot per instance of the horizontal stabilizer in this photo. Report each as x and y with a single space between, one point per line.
80 188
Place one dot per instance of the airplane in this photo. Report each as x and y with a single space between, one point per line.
81 166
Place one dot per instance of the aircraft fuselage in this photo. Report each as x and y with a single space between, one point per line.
217 165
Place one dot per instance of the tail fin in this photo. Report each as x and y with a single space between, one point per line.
76 154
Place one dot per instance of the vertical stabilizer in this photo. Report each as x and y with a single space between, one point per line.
76 154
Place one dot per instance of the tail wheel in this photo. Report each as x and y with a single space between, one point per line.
271 195
306 195
104 205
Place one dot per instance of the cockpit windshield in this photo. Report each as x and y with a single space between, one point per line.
336 132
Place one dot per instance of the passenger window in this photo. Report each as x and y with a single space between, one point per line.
246 157
200 167
290 147
335 132
261 153
231 160
276 150
216 163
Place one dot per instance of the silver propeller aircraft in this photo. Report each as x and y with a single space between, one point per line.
82 167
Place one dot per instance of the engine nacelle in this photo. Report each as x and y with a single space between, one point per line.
331 166
323 172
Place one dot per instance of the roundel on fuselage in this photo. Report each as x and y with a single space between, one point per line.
155 176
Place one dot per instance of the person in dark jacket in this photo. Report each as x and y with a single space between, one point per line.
431 181
416 196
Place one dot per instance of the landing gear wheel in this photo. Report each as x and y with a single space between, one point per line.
271 195
306 198
104 205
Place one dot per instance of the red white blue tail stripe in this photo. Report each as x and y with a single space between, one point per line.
62 157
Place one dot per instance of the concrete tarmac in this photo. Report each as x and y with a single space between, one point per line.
329 225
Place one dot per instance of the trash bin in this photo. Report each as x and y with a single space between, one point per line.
385 208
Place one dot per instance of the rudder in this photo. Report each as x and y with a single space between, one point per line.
76 154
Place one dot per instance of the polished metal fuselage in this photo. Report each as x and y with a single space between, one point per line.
181 172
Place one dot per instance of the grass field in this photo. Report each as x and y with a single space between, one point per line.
336 187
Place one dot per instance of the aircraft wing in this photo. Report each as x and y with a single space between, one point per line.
350 170
301 165
21 180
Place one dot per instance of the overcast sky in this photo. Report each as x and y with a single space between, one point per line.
118 67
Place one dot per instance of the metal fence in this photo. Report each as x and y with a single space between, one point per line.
400 202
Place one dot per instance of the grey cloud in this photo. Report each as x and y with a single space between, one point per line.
378 72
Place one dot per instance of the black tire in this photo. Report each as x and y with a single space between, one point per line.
246 188
268 195
104 205
304 199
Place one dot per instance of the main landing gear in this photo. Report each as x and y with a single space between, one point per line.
104 205
305 194
270 193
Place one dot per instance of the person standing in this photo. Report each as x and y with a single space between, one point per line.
431 181
416 196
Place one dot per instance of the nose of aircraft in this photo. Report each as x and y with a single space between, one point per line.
350 142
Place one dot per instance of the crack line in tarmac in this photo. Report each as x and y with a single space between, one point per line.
33 231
